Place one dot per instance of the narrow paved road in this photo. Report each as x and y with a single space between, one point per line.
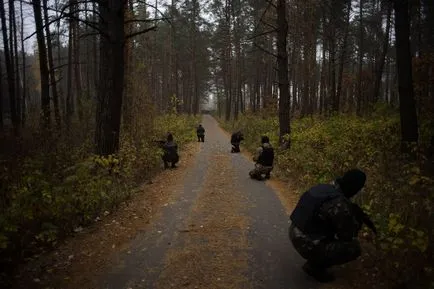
222 230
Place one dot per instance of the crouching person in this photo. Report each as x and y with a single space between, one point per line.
264 159
200 131
325 225
170 155
236 139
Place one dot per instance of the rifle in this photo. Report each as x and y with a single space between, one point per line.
160 143
362 217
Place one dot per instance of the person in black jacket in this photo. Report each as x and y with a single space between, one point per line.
325 225
170 155
236 139
264 160
200 131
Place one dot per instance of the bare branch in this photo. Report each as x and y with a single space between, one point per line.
146 20
156 8
271 3
262 34
265 50
140 32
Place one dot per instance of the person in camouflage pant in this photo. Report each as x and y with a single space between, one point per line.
325 225
263 159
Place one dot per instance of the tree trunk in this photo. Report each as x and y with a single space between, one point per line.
9 69
1 98
95 55
108 114
379 72
343 55
306 73
45 85
237 69
359 74
17 65
322 91
76 64
333 99
69 93
407 105
284 109
12 54
228 61
23 56
54 94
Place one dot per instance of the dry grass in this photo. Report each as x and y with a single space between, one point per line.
213 253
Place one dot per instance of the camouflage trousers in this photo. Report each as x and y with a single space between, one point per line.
235 147
326 252
172 159
260 170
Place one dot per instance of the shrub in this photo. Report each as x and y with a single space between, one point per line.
59 184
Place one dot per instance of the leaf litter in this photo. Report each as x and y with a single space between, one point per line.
214 249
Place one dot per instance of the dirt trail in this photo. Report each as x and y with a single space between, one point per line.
208 226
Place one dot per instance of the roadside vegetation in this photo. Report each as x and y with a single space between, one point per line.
399 195
53 187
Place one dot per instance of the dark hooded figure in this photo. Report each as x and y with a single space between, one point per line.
170 149
325 225
200 131
263 159
236 139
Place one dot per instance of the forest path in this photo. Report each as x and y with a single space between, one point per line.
223 230
208 225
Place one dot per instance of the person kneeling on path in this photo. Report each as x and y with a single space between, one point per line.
170 149
200 131
236 139
325 225
264 160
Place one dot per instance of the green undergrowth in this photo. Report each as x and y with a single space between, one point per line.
61 186
399 193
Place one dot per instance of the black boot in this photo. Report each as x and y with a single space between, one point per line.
319 274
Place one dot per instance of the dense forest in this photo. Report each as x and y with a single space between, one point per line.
87 86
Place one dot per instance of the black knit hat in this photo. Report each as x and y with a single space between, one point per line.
352 182
265 139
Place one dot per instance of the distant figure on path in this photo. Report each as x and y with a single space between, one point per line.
236 139
170 152
200 131
264 159
325 225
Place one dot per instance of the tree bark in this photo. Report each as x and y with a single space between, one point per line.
23 56
54 93
45 85
343 55
228 61
108 114
1 99
76 64
332 87
379 72
284 109
407 105
14 47
359 74
69 93
9 69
